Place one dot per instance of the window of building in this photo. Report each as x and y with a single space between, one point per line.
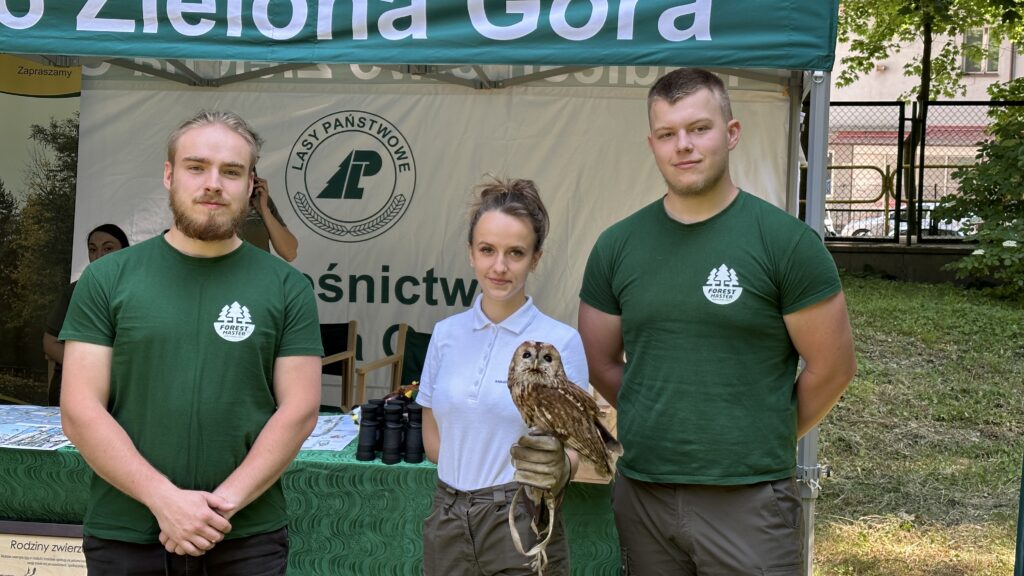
981 52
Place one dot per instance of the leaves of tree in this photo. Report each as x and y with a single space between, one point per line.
991 199
876 29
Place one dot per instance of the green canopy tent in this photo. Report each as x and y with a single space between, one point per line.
790 43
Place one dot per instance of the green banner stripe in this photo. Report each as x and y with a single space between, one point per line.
789 34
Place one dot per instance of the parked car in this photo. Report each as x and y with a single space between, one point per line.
875 227
830 229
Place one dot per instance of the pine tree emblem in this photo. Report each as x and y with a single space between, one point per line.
234 323
723 285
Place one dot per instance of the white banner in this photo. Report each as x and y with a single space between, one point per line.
374 180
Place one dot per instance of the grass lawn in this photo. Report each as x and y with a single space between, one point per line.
926 444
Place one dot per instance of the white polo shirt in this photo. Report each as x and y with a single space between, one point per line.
465 383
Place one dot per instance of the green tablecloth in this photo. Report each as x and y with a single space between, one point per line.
347 517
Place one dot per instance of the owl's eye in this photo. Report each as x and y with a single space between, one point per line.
547 358
527 355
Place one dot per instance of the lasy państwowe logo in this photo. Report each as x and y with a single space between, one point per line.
350 176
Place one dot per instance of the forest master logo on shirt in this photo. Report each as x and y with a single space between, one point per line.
234 323
723 287
351 176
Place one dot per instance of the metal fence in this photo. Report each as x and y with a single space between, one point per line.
879 188
865 154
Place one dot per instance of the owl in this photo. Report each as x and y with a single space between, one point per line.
550 403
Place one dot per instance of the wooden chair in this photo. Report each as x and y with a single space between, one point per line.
340 342
405 359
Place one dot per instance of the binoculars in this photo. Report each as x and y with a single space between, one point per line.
394 428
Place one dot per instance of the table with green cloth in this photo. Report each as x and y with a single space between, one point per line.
347 517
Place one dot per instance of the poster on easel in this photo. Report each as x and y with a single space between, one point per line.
39 124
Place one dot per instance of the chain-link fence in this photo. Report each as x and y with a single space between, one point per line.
954 132
865 154
879 188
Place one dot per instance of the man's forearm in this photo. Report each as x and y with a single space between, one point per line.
822 335
107 448
817 393
187 520
284 242
53 348
607 379
274 449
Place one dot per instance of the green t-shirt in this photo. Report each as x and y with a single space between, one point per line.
194 343
708 393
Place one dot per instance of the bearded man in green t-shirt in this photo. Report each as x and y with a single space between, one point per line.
192 377
694 313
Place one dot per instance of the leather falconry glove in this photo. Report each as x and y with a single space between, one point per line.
540 461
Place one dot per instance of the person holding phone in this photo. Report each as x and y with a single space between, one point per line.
264 227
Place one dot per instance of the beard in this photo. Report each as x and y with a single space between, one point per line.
214 226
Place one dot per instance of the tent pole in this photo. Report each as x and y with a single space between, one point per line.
146 69
434 73
181 67
809 472
796 158
817 151
751 74
557 71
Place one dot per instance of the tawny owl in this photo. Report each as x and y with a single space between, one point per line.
550 403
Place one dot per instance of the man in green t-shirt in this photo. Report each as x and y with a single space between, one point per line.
192 377
694 313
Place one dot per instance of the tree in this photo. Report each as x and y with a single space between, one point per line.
991 199
8 256
10 335
47 220
877 28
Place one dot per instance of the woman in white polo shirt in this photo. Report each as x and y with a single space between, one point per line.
469 420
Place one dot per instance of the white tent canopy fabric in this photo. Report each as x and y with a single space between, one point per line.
583 143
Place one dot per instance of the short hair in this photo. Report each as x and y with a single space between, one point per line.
225 118
111 229
516 197
684 82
